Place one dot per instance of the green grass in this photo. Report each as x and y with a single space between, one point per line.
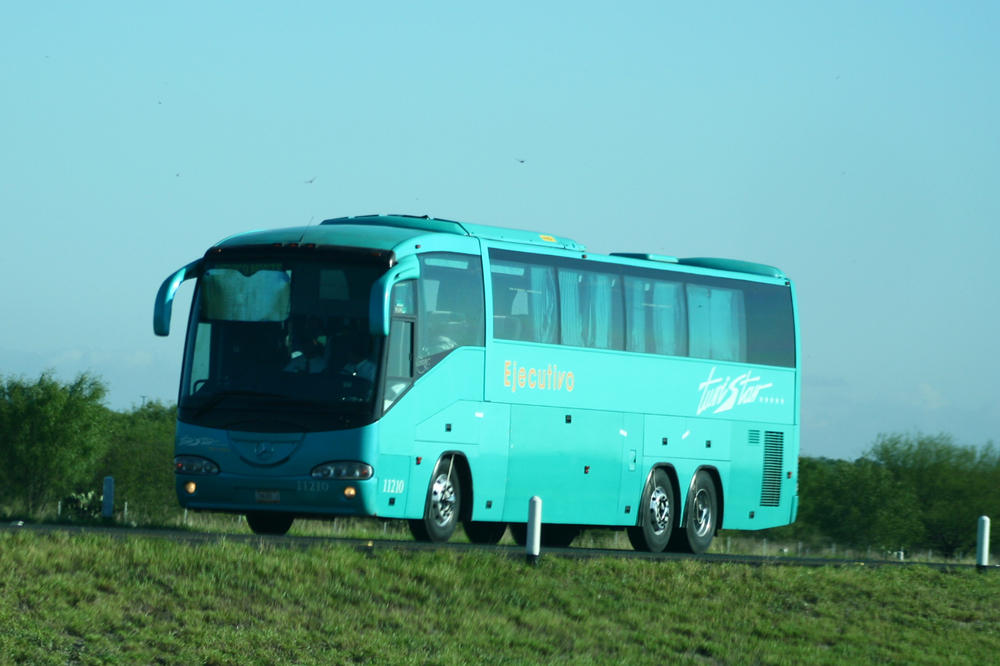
726 542
86 599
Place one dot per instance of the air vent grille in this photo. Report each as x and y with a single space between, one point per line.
770 491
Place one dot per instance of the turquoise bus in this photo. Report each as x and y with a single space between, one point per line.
442 373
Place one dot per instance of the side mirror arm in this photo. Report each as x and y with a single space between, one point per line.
164 304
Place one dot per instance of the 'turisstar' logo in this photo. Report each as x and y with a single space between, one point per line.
721 395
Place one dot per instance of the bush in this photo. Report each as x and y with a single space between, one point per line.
51 438
82 507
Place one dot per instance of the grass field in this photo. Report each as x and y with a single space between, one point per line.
88 599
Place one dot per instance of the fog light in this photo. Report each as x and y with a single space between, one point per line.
350 492
190 487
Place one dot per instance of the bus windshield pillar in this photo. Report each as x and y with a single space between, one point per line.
408 268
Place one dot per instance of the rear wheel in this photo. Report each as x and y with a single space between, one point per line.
700 516
442 506
656 515
266 522
484 533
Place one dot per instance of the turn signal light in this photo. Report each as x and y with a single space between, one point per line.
194 465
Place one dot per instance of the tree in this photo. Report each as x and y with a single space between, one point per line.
140 458
856 503
954 485
50 437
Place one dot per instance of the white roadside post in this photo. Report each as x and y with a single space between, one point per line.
533 542
108 505
983 543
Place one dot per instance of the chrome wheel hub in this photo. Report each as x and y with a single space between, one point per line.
659 510
442 500
701 509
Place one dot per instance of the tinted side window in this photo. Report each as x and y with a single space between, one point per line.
451 304
657 317
717 323
566 301
591 309
525 303
770 325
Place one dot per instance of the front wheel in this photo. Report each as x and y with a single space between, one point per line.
442 506
656 515
266 522
700 516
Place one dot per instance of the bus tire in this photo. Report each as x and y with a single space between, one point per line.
484 533
656 515
269 522
442 506
701 515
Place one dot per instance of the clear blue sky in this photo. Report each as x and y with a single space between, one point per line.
856 145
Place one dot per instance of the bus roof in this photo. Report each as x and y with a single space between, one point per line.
387 232
428 224
384 238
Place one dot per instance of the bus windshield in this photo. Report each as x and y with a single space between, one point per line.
280 343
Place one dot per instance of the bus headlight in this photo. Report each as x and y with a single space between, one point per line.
194 465
356 471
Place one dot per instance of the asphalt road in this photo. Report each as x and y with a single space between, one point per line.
376 545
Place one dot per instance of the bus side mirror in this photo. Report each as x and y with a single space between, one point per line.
165 297
408 268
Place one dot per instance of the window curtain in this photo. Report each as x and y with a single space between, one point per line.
668 318
542 305
635 305
600 288
570 310
728 325
699 321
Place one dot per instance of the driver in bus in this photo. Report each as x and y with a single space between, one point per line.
359 362
309 350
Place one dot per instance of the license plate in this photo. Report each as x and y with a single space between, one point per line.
268 497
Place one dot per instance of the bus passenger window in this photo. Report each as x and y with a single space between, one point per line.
657 322
591 309
717 323
525 303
